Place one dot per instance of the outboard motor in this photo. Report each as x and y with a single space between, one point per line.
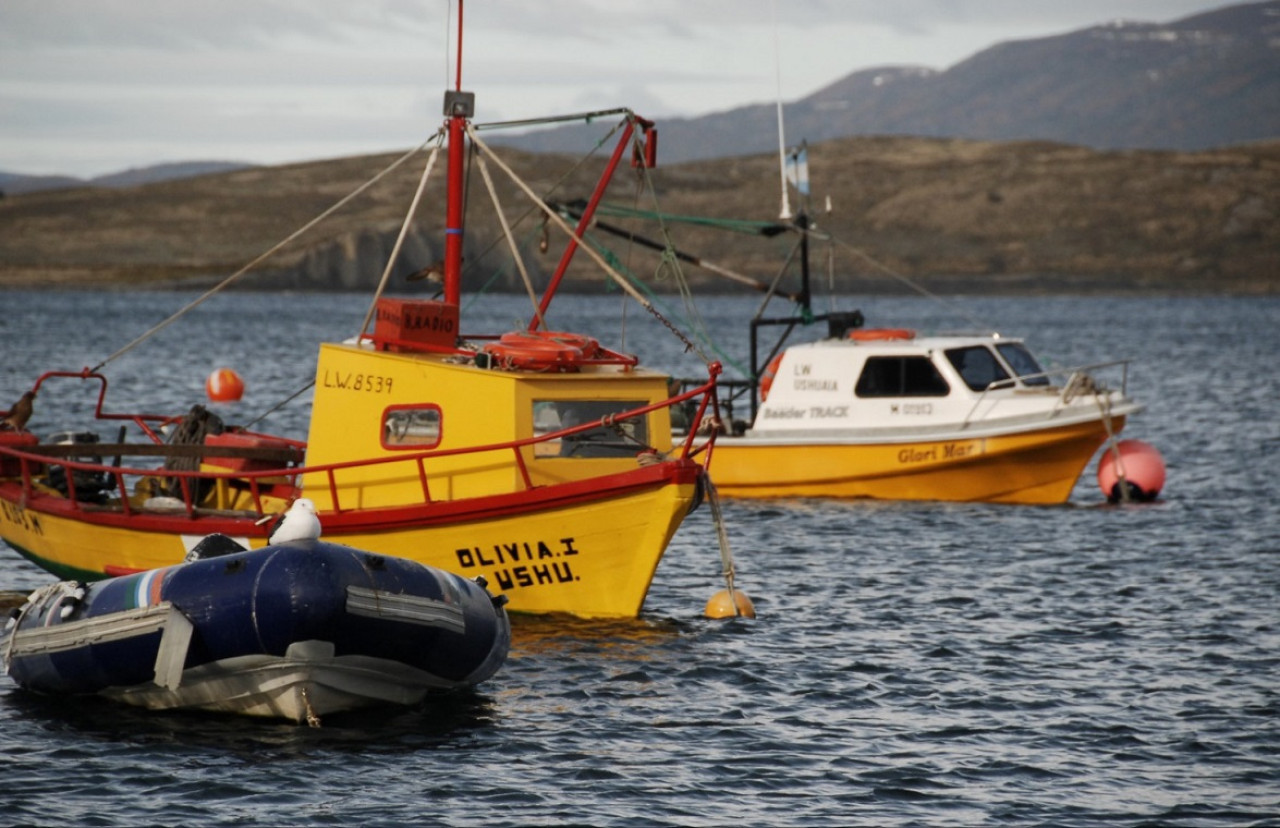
89 486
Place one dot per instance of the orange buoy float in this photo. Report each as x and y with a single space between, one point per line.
768 375
873 334
224 385
1141 466
724 605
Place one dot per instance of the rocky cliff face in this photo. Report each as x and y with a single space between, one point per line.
354 260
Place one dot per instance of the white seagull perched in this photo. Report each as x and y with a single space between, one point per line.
299 523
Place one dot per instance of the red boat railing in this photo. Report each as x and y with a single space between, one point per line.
142 421
31 459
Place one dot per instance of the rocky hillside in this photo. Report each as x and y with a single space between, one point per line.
952 215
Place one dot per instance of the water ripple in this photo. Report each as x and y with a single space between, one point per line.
913 664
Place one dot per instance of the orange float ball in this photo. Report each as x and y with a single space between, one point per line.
722 605
224 385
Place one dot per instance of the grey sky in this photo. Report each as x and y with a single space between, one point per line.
96 86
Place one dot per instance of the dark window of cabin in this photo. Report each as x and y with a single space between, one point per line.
900 376
625 438
1022 362
978 367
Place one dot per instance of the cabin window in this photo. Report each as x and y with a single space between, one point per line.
977 366
900 376
625 438
411 427
1022 363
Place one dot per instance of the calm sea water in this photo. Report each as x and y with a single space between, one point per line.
912 664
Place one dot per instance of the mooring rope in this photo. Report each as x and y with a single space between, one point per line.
726 555
1103 399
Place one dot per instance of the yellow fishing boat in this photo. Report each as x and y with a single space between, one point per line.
540 461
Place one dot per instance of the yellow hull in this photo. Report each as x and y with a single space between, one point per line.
1036 467
592 556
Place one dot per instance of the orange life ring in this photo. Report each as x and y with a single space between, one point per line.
873 334
767 376
543 350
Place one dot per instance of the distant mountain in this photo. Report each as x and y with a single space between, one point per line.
1206 81
165 172
16 183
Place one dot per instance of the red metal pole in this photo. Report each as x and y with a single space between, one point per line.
584 221
453 213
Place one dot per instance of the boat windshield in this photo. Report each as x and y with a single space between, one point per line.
977 366
622 439
1022 363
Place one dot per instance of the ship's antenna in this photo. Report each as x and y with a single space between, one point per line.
457 75
448 43
782 139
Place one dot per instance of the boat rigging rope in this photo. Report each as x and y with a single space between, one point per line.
511 240
773 286
555 218
771 228
746 226
404 231
670 261
657 300
273 409
263 257
554 186
888 271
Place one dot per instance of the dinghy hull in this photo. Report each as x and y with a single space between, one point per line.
296 630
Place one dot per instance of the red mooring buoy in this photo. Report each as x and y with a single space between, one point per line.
1142 467
224 385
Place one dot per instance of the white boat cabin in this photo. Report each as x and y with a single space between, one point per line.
893 381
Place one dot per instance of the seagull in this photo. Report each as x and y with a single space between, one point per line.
299 523
19 414
432 273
